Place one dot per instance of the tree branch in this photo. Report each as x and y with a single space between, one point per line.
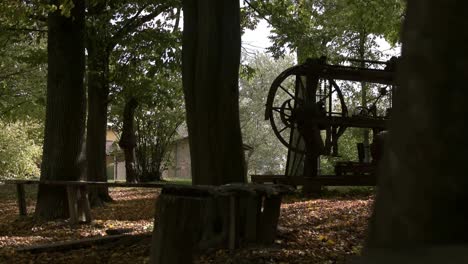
176 25
23 29
8 75
258 12
135 22
13 107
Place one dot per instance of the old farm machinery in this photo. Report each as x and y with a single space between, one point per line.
308 112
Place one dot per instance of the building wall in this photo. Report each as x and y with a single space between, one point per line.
115 161
179 165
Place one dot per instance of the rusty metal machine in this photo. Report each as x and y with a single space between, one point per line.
308 112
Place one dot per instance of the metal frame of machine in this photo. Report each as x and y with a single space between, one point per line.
308 113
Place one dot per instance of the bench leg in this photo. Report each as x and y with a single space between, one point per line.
78 204
21 200
84 210
72 193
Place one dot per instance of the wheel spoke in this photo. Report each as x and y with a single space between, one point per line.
290 94
283 129
279 110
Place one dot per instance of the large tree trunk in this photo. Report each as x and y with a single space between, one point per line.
128 140
65 114
98 93
211 57
422 196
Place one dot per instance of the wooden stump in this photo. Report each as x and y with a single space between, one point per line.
190 219
269 219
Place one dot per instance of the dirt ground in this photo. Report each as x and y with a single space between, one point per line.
326 230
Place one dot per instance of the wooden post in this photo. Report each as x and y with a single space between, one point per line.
72 193
21 200
84 210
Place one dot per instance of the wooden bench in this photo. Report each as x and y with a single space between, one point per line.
323 180
275 179
77 194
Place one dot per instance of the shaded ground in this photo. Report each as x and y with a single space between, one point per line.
326 230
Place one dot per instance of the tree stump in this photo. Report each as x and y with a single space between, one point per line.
190 219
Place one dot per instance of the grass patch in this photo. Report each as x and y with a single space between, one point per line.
180 181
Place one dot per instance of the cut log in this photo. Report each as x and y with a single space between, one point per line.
187 222
269 219
190 219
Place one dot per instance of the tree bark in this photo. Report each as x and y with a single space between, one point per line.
65 111
211 58
98 93
128 140
422 193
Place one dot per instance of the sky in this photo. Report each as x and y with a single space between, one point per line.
257 41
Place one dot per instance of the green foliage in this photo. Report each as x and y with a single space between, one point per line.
23 62
268 154
19 153
154 80
161 112
314 28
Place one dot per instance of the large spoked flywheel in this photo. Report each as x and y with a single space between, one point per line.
296 89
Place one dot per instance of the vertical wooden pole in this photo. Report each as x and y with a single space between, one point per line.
72 204
21 200
84 209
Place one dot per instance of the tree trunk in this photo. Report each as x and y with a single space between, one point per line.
98 93
65 113
422 193
128 139
211 58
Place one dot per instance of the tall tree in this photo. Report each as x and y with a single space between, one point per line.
128 140
65 112
422 195
211 59
268 153
110 24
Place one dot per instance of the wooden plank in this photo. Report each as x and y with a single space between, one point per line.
21 199
347 73
345 181
19 181
89 183
106 184
82 243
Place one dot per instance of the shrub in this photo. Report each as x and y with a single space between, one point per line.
19 154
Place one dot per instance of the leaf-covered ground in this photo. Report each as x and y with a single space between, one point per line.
326 230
